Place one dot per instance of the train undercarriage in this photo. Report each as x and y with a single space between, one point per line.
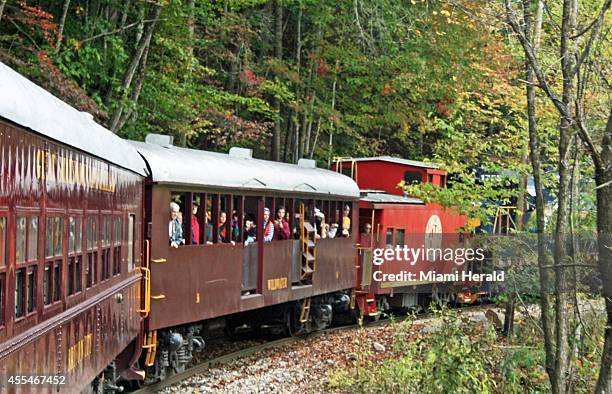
175 347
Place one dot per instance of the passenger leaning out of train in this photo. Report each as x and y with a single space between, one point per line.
234 225
268 226
222 230
250 232
175 231
282 225
319 224
333 230
195 226
208 232
297 231
346 222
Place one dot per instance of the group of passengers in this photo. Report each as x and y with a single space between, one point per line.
277 229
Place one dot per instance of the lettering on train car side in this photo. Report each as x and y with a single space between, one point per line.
80 351
277 283
59 168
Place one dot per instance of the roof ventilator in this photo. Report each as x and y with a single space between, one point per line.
159 139
243 153
307 163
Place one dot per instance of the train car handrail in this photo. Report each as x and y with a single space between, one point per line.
146 271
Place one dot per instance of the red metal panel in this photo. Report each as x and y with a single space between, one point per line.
413 219
382 175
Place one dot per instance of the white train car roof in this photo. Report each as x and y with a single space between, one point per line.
169 164
30 106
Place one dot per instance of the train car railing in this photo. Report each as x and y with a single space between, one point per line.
146 272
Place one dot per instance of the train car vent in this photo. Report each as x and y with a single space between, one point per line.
159 139
244 153
307 163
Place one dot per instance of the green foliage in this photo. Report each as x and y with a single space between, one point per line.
391 71
459 355
456 358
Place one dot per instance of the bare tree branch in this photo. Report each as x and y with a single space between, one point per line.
2 4
118 30
544 85
594 35
60 31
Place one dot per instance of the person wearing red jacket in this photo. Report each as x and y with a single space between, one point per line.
195 226
281 225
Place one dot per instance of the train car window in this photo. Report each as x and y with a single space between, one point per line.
389 238
79 273
54 236
91 267
2 298
47 285
105 233
92 233
130 241
49 238
176 224
346 171
20 293
32 238
443 181
57 281
412 177
399 237
117 240
20 240
430 178
75 234
31 299
71 264
3 248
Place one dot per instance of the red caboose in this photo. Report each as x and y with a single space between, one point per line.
391 221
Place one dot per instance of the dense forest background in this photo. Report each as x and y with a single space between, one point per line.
511 97
290 78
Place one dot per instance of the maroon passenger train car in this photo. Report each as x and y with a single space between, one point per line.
71 197
294 284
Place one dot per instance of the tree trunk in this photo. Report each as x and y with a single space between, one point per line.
62 23
509 317
314 143
191 25
521 203
141 25
299 131
536 165
143 45
140 76
331 121
562 290
2 4
124 13
603 179
278 53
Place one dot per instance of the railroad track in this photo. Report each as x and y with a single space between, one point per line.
205 365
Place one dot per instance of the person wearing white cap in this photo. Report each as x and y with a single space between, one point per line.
175 231
268 226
